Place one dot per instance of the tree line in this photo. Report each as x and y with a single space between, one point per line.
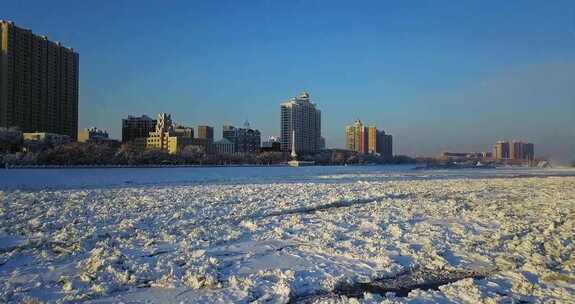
103 154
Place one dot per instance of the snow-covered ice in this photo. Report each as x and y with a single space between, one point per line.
286 241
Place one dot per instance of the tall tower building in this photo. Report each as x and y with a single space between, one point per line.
372 139
501 150
528 151
385 144
516 150
356 137
38 83
300 119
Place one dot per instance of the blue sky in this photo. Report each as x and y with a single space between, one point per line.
438 75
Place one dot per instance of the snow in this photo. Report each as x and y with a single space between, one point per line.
486 238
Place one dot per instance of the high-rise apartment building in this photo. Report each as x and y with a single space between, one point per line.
300 118
206 132
38 83
356 137
501 150
245 140
137 127
368 140
521 150
515 150
372 136
528 151
385 144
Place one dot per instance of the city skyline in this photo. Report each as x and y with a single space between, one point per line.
502 74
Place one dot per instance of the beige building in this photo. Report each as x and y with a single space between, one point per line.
356 139
300 125
38 83
501 150
372 135
52 138
173 138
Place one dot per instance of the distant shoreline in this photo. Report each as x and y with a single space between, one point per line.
10 167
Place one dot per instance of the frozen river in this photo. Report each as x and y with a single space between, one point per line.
372 234
114 177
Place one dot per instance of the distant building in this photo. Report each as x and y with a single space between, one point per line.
368 140
173 138
322 144
501 150
521 150
372 139
529 151
51 138
223 146
160 138
464 156
301 117
385 144
92 134
245 140
38 83
272 144
356 137
11 140
137 128
36 141
515 150
182 131
206 132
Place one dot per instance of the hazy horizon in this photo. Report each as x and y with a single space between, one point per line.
436 75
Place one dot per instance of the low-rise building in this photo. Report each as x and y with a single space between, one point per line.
50 138
11 140
223 146
93 135
36 141
272 144
245 140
